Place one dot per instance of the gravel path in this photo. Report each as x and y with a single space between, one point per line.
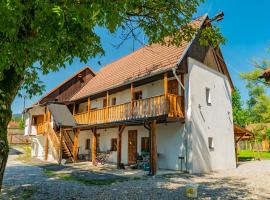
24 181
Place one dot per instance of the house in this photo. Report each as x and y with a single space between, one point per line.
172 103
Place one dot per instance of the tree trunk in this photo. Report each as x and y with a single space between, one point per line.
9 87
3 150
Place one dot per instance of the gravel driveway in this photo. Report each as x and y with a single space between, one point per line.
26 181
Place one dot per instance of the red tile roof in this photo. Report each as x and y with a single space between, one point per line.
148 59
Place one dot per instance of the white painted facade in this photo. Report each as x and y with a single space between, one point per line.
209 119
170 143
205 118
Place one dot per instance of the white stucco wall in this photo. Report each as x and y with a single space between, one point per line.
37 148
170 143
206 121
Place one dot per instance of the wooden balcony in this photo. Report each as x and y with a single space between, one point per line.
171 107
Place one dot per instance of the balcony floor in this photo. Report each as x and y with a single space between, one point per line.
132 122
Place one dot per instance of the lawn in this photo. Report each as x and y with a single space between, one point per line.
247 154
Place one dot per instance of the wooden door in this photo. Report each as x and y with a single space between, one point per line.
132 146
40 119
173 87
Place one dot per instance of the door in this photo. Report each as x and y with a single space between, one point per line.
132 146
173 87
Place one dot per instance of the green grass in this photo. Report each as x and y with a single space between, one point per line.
246 154
85 181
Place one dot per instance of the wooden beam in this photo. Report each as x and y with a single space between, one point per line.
60 146
132 98
183 94
75 145
153 147
94 146
107 106
46 146
166 84
74 109
121 129
88 108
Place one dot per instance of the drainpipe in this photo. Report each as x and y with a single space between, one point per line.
148 127
175 75
185 126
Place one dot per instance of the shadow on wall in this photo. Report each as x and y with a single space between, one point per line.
38 185
201 161
13 151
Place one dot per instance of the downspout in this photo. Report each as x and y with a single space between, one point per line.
188 119
175 75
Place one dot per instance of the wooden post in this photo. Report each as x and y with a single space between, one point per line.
165 84
166 91
183 94
94 146
60 146
153 147
236 156
119 144
46 146
107 106
88 109
74 109
131 99
75 145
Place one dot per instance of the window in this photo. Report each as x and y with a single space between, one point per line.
210 143
87 144
145 144
113 101
208 96
114 144
105 103
138 95
173 87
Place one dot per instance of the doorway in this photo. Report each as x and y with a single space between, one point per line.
132 146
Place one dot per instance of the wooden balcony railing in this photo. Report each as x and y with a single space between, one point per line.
144 108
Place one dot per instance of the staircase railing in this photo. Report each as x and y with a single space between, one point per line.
68 143
54 140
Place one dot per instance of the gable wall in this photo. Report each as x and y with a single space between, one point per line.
70 88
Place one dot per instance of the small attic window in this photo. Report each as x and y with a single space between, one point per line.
210 143
208 96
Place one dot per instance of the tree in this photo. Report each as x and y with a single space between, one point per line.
240 115
258 104
42 36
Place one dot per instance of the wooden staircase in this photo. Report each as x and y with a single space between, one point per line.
63 149
67 145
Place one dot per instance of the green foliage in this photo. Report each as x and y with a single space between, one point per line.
258 104
21 124
240 115
42 36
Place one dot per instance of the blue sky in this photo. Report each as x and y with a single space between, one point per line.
245 27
